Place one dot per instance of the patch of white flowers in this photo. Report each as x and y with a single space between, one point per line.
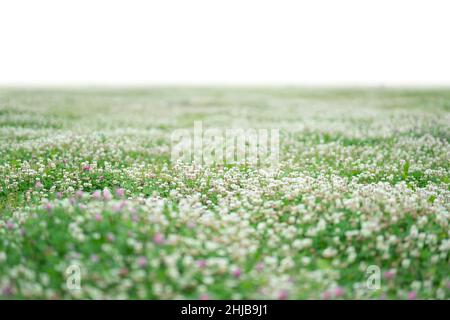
359 183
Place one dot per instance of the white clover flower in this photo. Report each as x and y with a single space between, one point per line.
406 263
329 252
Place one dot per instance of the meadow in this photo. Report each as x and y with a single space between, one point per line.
92 207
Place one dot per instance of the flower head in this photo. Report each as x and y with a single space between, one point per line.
110 237
236 273
79 194
142 262
97 195
48 206
10 225
120 192
201 263
326 295
390 274
107 194
158 238
412 295
338 292
283 295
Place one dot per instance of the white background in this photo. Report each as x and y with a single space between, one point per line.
128 42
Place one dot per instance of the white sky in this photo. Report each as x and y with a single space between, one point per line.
337 42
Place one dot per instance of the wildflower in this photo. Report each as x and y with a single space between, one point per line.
204 297
237 273
406 263
412 295
87 168
38 185
110 237
142 262
120 192
329 252
48 207
305 261
97 195
107 194
201 263
259 266
10 225
118 207
7 291
390 274
283 295
158 238
79 194
338 292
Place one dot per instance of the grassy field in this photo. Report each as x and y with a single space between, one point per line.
86 179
